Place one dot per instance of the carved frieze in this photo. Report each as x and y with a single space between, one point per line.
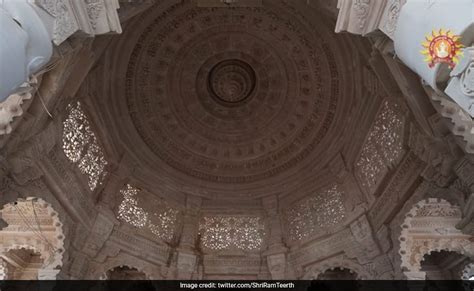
125 239
90 16
438 233
388 23
396 190
232 265
321 248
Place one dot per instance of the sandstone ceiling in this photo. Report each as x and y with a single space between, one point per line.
232 102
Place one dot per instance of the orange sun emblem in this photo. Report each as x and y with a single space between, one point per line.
442 47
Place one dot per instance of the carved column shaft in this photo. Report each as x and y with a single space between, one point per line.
189 230
276 251
187 256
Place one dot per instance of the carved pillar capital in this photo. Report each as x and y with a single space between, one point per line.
277 266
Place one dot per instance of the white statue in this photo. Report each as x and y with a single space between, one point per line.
25 47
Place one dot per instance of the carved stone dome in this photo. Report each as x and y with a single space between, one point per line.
243 139
232 102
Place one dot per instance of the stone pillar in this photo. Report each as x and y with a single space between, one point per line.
276 251
186 252
110 197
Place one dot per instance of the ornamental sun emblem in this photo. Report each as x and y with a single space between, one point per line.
442 47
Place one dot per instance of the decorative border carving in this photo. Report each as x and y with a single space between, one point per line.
53 259
428 227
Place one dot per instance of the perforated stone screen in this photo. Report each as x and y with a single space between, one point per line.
244 233
383 147
322 210
147 213
81 146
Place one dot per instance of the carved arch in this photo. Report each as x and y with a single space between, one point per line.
33 224
314 271
152 272
3 269
428 227
468 272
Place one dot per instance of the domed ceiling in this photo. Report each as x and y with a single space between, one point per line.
243 102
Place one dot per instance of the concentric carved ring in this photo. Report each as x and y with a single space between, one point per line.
224 103
232 81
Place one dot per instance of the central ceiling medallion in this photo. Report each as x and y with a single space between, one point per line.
231 81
